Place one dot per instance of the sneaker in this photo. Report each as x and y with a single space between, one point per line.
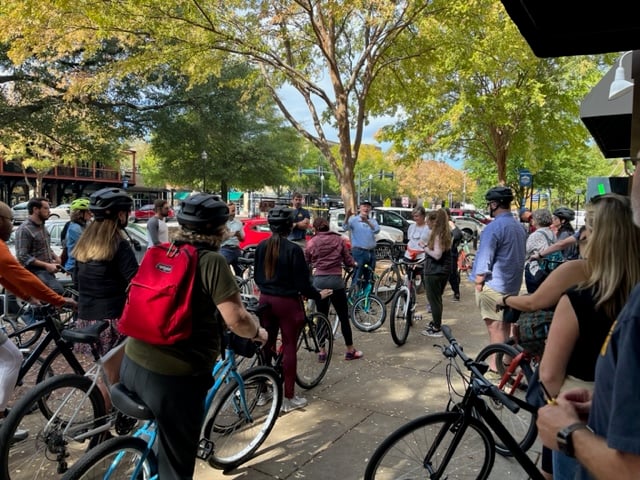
322 357
289 404
264 398
353 355
20 436
431 331
456 297
428 308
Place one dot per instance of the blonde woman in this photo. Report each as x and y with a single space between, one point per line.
105 263
437 267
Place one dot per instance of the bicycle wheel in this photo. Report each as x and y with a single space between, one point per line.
400 319
119 457
57 364
420 449
235 435
316 336
368 313
54 442
22 334
387 284
514 382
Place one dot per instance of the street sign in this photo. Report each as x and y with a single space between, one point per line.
526 178
405 202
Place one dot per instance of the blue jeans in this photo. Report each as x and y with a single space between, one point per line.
564 468
362 258
231 254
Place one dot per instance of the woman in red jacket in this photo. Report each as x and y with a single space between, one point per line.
327 253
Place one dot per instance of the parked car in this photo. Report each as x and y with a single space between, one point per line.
60 212
387 234
392 219
145 212
406 213
19 212
481 217
255 230
471 228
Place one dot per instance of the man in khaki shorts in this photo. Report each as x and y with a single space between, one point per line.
499 265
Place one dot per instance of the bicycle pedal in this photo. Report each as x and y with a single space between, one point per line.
205 449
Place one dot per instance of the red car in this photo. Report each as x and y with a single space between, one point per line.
145 212
257 229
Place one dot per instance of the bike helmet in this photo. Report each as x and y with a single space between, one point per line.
499 194
202 213
564 213
107 202
79 204
280 219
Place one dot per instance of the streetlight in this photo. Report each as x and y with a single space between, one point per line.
370 179
321 188
578 193
204 156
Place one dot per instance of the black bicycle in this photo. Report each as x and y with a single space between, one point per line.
456 443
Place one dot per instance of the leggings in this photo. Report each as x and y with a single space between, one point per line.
435 284
339 300
10 361
287 315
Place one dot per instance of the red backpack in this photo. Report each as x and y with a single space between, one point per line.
158 306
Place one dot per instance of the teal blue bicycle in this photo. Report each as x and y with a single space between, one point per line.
366 309
241 409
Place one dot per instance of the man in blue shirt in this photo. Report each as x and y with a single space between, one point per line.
499 265
363 239
301 221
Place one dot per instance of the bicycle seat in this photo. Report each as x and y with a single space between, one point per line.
89 334
129 403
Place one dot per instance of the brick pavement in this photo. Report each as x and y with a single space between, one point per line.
360 402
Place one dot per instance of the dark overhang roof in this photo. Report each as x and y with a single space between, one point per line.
609 121
555 28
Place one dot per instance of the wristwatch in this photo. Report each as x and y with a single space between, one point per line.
565 442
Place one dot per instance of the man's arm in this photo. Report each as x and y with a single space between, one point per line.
153 228
305 222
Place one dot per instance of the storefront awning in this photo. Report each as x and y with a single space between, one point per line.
181 195
234 196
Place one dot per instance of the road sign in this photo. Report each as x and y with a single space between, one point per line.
405 202
526 178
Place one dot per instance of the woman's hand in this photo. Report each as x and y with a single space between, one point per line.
324 293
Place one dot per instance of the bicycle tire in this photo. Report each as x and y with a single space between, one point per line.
102 458
316 334
415 450
368 313
55 364
400 316
235 437
35 457
22 334
388 284
521 425
467 263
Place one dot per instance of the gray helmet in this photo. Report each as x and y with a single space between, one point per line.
280 219
564 213
203 213
107 202
499 194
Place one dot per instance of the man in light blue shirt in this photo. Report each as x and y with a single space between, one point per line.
499 264
230 248
363 239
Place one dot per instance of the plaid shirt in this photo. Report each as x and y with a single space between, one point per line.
33 243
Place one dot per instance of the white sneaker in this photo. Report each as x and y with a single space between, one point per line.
289 404
264 398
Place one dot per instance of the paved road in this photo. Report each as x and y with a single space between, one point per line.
360 402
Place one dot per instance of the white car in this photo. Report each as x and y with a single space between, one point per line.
389 235
61 212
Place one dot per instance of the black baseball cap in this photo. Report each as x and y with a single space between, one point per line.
366 202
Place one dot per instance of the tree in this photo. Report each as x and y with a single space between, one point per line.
330 53
484 96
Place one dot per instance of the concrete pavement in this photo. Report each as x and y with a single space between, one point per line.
360 402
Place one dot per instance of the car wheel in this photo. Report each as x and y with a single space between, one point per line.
54 215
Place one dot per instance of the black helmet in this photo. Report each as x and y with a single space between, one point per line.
107 202
202 213
499 194
564 213
280 219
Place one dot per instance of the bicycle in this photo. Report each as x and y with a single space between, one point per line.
458 442
513 378
404 301
367 311
314 351
64 415
239 418
465 257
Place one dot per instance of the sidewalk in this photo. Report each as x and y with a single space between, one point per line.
360 402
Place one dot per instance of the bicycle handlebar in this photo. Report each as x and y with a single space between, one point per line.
472 365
